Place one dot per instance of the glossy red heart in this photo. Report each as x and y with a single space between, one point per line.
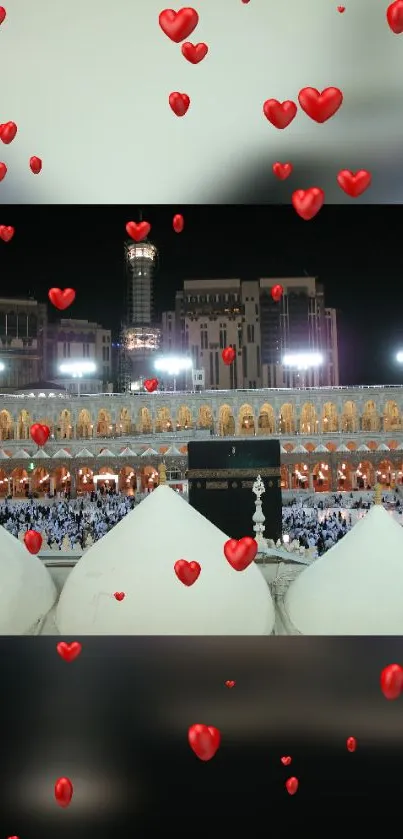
351 744
187 572
228 355
286 760
308 202
6 233
63 792
8 132
62 298
194 52
2 14
150 385
178 25
33 541
394 16
240 553
230 683
179 103
282 170
341 9
35 165
68 652
277 292
392 681
280 114
320 106
178 223
3 171
204 740
354 183
119 595
39 433
138 230
292 785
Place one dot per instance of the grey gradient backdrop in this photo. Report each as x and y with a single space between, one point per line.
88 85
115 721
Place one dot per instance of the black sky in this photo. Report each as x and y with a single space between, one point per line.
354 251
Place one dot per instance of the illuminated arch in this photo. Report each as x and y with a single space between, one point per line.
386 474
163 420
125 422
184 419
287 419
308 423
85 480
226 421
127 480
349 419
246 421
205 418
3 484
24 423
62 478
370 420
64 427
299 476
20 482
104 423
144 421
40 480
6 425
321 475
84 425
330 418
392 420
266 420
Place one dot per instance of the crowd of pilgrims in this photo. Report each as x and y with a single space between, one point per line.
77 523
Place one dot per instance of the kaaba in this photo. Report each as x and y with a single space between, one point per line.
221 475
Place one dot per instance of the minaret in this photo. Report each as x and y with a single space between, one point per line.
378 494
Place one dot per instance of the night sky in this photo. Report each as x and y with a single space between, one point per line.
354 251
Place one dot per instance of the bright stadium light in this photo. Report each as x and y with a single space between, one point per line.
77 369
399 357
2 366
303 361
173 366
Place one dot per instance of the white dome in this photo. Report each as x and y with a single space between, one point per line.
137 557
355 588
27 592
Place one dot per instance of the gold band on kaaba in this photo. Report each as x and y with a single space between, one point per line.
231 474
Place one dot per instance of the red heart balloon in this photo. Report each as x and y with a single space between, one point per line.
240 553
8 132
286 760
178 25
187 572
392 681
204 740
138 231
3 171
35 165
228 355
68 652
320 106
394 16
62 299
119 595
33 541
341 9
282 170
63 792
39 433
179 103
2 14
150 385
354 184
277 292
178 223
230 683
194 52
6 233
292 785
308 202
280 114
351 744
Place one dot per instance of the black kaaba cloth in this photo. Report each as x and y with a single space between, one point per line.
221 476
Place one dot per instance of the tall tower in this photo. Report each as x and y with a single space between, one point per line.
140 336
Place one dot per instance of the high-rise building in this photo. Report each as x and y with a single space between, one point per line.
140 335
74 341
213 314
23 328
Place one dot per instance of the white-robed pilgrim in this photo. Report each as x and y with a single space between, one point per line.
355 588
137 557
27 592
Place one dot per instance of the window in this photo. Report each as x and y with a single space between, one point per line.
203 336
66 350
239 337
211 369
250 331
217 368
86 350
223 336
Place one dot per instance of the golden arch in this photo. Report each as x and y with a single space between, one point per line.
144 421
84 426
85 480
125 422
246 421
163 421
205 418
349 420
308 421
392 420
184 418
287 419
104 424
24 423
20 482
64 427
127 481
370 419
6 426
330 418
386 474
321 477
3 484
266 420
226 421
40 480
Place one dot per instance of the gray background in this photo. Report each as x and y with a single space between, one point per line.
88 84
